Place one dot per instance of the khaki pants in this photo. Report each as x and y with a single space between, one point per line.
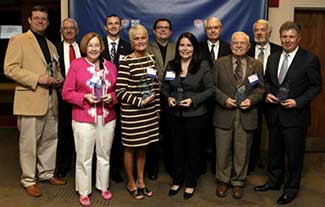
86 136
232 152
37 147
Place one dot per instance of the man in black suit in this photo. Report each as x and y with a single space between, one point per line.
115 50
68 50
292 81
211 49
260 49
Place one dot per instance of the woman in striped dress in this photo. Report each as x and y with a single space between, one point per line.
138 90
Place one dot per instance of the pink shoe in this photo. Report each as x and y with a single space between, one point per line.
84 200
106 194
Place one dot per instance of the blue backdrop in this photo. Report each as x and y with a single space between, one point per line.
186 15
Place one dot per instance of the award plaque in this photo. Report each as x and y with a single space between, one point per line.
240 94
145 88
99 92
283 93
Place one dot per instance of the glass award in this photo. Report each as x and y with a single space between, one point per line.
283 93
99 89
51 69
145 88
179 95
240 94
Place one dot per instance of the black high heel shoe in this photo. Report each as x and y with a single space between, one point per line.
188 195
174 192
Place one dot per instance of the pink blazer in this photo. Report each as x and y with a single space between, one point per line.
77 84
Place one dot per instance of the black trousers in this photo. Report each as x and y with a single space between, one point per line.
117 151
185 134
289 142
65 150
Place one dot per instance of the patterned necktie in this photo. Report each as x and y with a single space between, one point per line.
238 71
261 55
72 54
284 68
212 52
113 51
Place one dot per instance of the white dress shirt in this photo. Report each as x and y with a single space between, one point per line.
66 49
290 58
215 49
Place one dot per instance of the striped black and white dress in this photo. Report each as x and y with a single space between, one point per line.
139 123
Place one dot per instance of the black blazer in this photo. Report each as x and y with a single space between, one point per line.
59 48
274 48
304 81
123 48
224 50
198 86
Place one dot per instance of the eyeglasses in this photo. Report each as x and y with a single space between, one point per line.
162 27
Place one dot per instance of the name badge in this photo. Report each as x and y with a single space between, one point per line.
170 75
121 57
151 72
253 79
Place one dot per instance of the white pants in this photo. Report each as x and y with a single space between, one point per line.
86 135
37 147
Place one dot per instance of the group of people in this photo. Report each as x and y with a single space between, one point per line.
111 102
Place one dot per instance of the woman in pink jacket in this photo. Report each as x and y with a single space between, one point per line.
90 86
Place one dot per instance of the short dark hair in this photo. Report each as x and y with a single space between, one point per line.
163 20
290 25
113 15
38 8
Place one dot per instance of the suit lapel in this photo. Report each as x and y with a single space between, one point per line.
169 53
159 58
229 71
36 46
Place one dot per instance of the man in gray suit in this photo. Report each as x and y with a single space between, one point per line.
239 87
164 51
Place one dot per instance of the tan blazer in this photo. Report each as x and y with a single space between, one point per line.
226 87
24 63
153 48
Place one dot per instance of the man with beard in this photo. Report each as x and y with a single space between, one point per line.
260 49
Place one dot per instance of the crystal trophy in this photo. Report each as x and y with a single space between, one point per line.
283 93
240 94
179 95
145 88
99 89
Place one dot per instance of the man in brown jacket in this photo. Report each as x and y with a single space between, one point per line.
31 61
239 87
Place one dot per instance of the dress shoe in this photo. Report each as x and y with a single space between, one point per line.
285 199
116 177
84 200
221 189
237 192
266 187
33 190
61 174
188 195
173 192
56 181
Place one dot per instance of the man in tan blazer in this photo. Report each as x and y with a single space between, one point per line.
164 51
239 87
31 61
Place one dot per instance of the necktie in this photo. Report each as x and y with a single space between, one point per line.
238 72
72 54
113 51
260 56
212 52
284 68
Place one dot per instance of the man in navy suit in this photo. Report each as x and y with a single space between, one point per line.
68 50
211 49
260 49
292 81
115 50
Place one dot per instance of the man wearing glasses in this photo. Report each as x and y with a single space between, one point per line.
164 51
